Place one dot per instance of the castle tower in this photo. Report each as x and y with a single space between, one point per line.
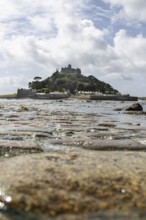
69 66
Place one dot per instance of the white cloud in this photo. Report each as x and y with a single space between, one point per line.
131 9
6 83
8 10
126 70
41 23
131 48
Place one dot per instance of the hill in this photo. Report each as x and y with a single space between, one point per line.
70 79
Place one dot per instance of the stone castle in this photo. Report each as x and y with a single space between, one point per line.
69 69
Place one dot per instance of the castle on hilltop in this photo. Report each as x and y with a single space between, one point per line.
69 69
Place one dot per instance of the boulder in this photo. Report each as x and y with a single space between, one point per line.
134 107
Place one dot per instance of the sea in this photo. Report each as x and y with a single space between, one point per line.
29 120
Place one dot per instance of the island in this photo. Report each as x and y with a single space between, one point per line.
71 80
71 83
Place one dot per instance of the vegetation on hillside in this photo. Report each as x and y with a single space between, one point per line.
69 79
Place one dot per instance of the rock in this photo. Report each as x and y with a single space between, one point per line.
23 108
55 183
134 107
118 109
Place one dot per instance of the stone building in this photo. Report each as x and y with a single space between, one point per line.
69 69
26 93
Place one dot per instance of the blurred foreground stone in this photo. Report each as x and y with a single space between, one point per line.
74 184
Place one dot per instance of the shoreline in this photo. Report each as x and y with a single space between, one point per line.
80 97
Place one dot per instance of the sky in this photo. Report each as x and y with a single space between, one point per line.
104 38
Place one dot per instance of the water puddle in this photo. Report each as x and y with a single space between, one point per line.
13 152
48 147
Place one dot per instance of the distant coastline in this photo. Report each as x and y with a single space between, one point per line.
56 96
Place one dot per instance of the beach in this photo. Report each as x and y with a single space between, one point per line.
72 159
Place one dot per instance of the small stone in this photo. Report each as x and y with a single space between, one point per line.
123 191
134 107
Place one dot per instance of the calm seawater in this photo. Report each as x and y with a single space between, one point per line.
59 115
104 109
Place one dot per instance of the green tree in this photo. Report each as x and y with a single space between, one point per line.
30 85
37 78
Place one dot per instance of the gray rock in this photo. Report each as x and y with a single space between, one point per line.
135 107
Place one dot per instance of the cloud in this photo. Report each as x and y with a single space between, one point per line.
132 9
128 56
37 46
6 83
132 50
